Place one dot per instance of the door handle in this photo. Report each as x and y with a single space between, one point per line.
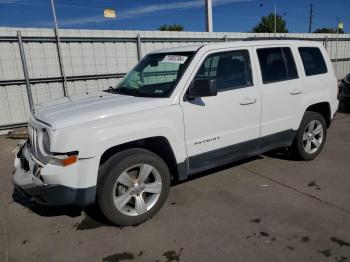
295 91
248 101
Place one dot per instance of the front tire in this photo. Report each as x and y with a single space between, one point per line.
310 137
133 185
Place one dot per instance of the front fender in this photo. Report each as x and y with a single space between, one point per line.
93 138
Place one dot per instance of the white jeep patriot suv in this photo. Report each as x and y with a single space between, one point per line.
178 112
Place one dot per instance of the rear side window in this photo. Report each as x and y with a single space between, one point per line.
277 64
313 61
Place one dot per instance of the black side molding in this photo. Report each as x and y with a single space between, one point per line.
232 153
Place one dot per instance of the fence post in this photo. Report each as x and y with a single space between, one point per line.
138 45
25 70
337 55
58 43
326 42
60 62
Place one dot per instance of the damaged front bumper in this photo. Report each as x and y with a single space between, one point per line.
28 180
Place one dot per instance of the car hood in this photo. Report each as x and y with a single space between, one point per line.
75 110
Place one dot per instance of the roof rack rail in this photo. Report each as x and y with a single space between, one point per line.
260 38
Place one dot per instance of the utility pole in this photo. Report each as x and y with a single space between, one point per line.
310 19
275 23
208 16
25 70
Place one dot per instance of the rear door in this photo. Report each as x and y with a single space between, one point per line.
281 90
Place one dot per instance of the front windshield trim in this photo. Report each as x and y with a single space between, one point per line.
119 89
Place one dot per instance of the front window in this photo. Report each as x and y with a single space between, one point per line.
155 76
231 70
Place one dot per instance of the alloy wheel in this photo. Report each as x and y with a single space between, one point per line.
313 136
137 189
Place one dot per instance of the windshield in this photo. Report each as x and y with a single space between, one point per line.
155 76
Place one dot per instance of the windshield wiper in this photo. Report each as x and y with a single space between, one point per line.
109 90
126 91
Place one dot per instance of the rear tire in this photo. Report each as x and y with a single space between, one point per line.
310 137
132 186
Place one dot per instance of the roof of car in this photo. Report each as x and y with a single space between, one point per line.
219 45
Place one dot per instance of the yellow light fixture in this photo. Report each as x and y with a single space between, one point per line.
110 13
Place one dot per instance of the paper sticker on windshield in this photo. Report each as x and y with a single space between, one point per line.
177 59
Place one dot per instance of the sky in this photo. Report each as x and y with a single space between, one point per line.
228 15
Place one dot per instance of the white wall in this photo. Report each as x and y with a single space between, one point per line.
96 58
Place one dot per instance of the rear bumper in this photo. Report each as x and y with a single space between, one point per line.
27 179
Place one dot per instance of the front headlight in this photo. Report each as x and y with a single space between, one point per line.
60 159
46 141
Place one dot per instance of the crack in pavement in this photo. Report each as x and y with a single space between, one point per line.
3 206
297 190
340 117
4 226
6 253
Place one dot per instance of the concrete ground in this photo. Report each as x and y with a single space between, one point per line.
267 208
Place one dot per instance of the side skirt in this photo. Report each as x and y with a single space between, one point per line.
229 154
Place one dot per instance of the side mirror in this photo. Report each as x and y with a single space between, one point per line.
154 63
202 88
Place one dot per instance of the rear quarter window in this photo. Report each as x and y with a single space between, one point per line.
313 61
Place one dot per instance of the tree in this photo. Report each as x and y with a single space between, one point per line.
267 24
174 27
326 30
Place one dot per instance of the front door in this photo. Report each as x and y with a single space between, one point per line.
225 127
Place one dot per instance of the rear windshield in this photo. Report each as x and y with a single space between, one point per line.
313 61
